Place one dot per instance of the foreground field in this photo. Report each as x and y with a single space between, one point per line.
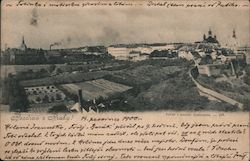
13 69
64 78
233 88
97 88
135 86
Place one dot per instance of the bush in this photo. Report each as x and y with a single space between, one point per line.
58 108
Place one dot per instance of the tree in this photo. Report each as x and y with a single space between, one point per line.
17 96
58 96
100 100
80 68
38 99
30 71
46 99
52 99
58 108
52 68
43 71
58 70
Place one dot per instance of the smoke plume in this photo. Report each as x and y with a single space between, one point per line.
34 17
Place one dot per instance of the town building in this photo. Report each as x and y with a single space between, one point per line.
232 42
246 51
120 53
130 52
210 69
185 55
210 38
24 55
23 46
138 56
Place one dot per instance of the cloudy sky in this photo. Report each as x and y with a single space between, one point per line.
104 26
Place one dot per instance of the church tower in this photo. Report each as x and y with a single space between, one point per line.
215 37
209 33
204 37
210 38
233 43
23 46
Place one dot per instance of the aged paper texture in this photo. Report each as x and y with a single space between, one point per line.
125 80
117 136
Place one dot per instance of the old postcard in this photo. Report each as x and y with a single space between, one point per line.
125 80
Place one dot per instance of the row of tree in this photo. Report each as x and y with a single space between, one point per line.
14 95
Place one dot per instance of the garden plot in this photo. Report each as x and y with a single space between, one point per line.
44 94
97 88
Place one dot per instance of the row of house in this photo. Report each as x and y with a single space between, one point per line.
209 55
137 52
25 55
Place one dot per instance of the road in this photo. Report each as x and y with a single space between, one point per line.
211 93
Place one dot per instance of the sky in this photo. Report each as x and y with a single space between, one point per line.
105 26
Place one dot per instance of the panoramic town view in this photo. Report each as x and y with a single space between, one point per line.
113 67
127 77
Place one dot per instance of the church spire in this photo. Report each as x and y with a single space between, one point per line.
23 40
23 45
234 34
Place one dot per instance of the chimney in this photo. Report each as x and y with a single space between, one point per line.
50 47
232 68
80 100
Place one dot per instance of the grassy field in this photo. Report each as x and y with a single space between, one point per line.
176 94
140 86
160 88
65 78
144 74
234 88
13 69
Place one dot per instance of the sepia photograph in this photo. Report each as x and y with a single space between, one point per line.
125 80
148 57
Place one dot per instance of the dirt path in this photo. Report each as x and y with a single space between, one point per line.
211 93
